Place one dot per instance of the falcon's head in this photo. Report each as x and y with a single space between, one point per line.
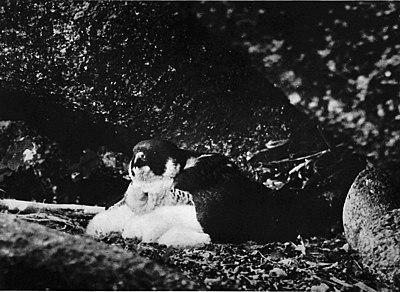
156 159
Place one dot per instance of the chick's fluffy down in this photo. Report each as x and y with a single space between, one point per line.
111 220
172 225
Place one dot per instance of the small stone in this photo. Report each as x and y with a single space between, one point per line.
278 273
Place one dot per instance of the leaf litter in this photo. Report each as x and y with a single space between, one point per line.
315 264
312 264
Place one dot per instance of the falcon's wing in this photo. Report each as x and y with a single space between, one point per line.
229 206
205 172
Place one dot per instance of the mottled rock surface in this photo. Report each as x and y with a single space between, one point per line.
33 257
371 220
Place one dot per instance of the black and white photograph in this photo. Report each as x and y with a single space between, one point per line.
200 145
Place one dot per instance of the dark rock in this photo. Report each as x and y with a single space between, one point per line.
33 257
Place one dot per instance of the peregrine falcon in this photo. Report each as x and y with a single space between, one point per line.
182 198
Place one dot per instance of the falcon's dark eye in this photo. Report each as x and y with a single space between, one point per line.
144 197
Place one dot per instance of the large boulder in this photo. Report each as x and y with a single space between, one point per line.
371 219
33 257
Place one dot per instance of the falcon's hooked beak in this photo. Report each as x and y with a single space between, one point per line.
139 168
139 160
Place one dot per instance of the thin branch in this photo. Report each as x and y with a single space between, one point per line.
321 133
32 207
270 145
364 287
42 218
341 282
318 154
